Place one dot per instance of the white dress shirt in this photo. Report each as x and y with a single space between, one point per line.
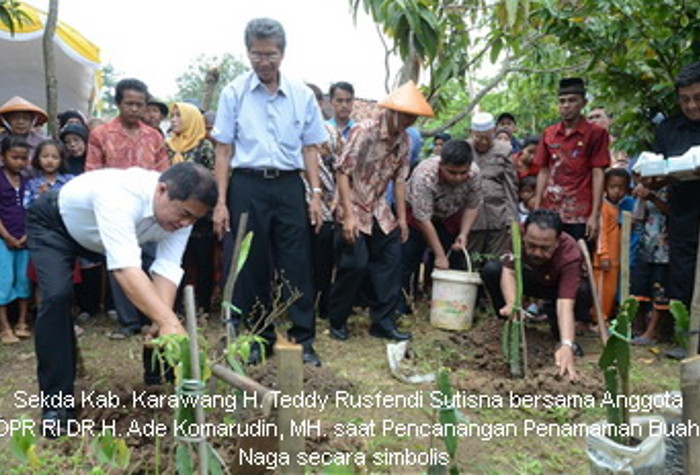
268 130
110 211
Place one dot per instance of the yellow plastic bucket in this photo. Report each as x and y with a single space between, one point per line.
454 297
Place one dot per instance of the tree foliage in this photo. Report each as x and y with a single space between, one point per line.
192 84
627 50
11 14
107 106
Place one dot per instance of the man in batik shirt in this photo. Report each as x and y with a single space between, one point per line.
370 242
444 197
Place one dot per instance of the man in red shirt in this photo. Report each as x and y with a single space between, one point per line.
126 142
552 270
572 156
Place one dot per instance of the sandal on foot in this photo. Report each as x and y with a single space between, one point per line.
123 333
22 331
643 341
8 337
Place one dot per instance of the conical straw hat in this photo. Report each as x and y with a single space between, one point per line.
18 104
408 99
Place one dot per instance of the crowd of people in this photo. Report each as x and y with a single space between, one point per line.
343 213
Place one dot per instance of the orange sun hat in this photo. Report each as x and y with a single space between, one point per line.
407 99
19 104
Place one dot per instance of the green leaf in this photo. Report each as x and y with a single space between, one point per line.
244 251
183 459
496 50
214 461
23 445
681 319
447 415
512 11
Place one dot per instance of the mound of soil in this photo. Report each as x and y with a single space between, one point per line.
490 373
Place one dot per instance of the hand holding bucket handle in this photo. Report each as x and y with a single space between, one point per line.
467 259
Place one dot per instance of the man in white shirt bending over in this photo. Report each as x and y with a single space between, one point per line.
109 212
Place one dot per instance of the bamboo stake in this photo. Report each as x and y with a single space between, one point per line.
625 243
290 380
596 298
191 321
690 388
233 275
694 326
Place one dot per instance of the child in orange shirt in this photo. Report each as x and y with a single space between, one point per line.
606 262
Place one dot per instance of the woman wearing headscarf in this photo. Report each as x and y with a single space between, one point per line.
188 143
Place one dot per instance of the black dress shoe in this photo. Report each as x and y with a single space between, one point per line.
54 422
340 333
389 334
155 371
258 352
311 357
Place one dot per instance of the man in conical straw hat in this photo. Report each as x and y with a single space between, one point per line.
19 117
377 153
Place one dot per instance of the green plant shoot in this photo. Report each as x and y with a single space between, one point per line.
511 338
448 416
23 446
681 326
615 364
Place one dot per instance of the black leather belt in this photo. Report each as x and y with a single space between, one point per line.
267 173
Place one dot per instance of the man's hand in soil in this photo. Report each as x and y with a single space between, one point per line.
171 328
564 360
506 310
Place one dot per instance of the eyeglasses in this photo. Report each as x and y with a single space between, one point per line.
257 57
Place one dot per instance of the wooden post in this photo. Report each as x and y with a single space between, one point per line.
290 381
695 310
690 388
191 321
602 330
625 243
264 395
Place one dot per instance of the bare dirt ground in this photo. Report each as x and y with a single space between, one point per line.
359 367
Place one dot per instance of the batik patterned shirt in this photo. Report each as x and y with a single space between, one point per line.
109 146
431 197
371 159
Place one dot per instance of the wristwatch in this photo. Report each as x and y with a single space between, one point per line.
568 343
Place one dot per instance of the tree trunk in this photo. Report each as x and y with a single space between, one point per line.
50 67
210 81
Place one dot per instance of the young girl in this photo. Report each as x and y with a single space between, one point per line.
14 257
48 162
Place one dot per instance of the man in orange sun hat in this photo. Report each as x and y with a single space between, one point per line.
377 152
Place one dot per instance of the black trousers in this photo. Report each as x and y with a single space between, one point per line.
53 252
129 316
412 253
491 276
376 259
323 254
278 217
198 263
683 227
